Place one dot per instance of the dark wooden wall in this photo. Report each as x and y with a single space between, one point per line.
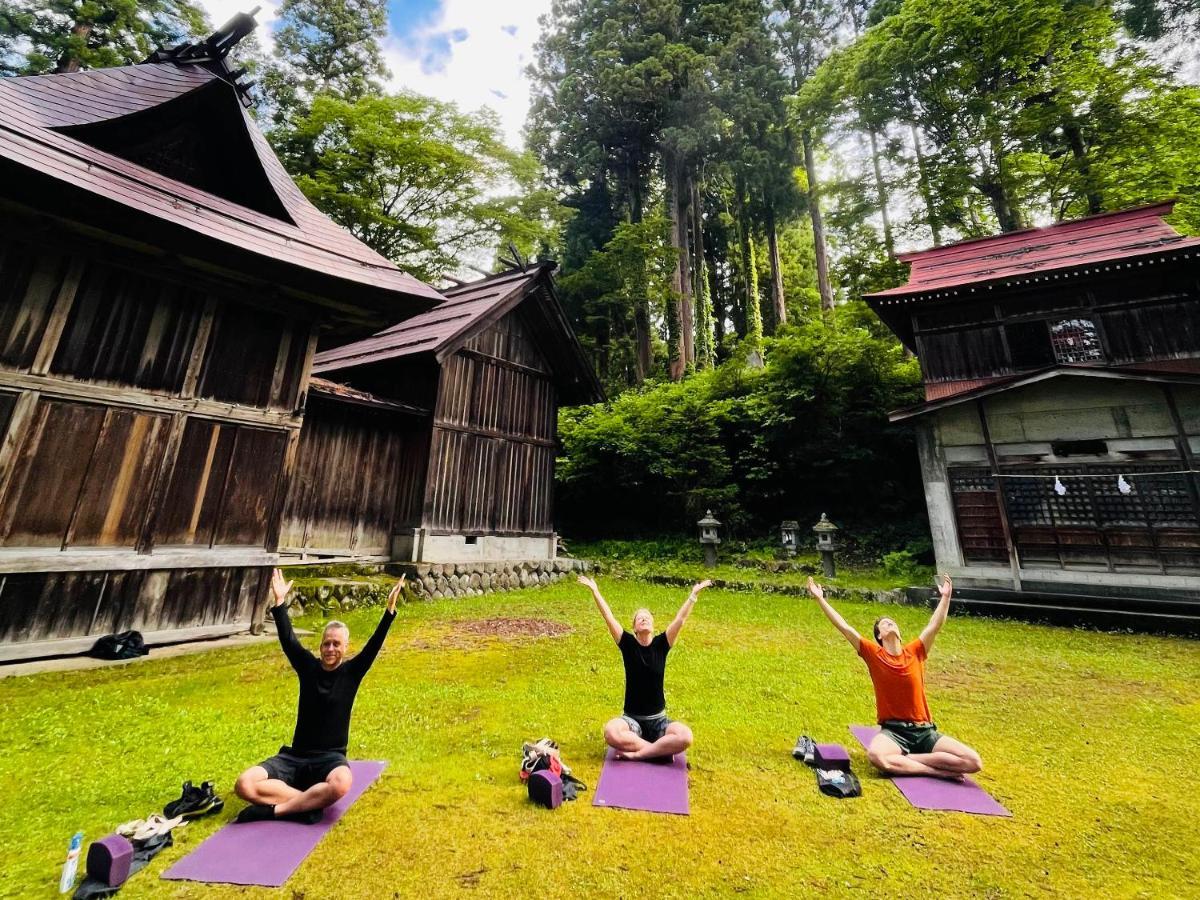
48 605
139 413
1149 317
491 459
355 467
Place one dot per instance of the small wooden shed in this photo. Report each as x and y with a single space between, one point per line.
454 414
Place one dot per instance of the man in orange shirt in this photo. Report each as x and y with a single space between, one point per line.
908 742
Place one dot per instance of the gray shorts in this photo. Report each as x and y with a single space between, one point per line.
648 728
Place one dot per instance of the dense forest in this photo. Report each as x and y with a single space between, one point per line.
720 182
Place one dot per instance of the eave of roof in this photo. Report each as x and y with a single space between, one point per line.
32 107
1095 245
322 387
1024 379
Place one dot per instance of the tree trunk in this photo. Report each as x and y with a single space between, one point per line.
778 301
881 194
718 303
69 62
644 355
754 327
702 293
926 189
818 227
679 323
995 187
1074 136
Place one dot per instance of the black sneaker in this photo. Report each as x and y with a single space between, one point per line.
194 802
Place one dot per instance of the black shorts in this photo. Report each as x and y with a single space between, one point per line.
303 769
912 737
648 728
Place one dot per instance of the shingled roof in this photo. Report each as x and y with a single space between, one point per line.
1019 257
40 114
470 308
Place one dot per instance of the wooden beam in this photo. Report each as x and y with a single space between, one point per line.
1013 560
40 559
191 378
494 433
13 652
58 317
137 398
505 363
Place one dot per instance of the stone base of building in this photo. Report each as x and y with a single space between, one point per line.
472 579
419 546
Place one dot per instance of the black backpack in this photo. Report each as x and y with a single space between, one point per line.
126 645
838 784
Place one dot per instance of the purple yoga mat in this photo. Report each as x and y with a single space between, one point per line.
653 787
266 853
927 792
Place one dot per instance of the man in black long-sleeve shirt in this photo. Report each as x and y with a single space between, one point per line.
313 773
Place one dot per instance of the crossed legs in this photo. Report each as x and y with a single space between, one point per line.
256 786
949 759
630 745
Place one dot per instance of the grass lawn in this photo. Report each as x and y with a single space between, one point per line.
1090 739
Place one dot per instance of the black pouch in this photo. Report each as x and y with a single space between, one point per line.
126 645
837 783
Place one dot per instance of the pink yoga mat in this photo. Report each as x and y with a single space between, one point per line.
652 787
266 853
926 792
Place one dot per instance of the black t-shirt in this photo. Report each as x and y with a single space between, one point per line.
644 667
326 698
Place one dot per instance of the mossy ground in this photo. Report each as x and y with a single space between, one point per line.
1090 739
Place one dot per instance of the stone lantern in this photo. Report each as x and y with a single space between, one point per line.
709 538
825 530
789 537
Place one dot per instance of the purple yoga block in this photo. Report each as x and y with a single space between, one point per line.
108 860
832 756
546 788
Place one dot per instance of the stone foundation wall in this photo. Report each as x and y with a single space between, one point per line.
472 579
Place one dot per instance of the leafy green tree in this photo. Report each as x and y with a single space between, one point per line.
60 36
416 179
325 46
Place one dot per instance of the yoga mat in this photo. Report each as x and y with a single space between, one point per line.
652 787
266 853
927 792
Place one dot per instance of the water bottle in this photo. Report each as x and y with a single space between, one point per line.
68 873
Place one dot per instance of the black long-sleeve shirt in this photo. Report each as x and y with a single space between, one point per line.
326 697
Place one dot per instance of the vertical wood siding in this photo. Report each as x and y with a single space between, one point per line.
351 479
491 459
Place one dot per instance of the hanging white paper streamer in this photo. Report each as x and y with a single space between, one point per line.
1124 486
1059 487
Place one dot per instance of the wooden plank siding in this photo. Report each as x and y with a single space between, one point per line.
136 411
351 480
491 459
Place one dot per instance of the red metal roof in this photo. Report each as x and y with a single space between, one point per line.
1106 238
430 332
31 107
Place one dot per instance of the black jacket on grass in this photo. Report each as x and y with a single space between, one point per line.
326 698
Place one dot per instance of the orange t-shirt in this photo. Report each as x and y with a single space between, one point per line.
899 681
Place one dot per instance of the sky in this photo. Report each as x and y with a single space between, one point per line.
471 52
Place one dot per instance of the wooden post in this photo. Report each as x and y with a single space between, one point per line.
1013 561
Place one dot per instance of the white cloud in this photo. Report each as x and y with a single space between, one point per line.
473 54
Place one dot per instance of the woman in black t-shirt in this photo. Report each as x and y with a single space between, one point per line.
644 731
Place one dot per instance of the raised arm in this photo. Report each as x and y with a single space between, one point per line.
614 627
833 615
684 612
938 619
292 648
362 660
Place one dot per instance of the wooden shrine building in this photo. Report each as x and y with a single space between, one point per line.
162 287
452 417
1061 428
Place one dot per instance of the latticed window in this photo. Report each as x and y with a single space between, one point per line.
1143 518
1075 341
